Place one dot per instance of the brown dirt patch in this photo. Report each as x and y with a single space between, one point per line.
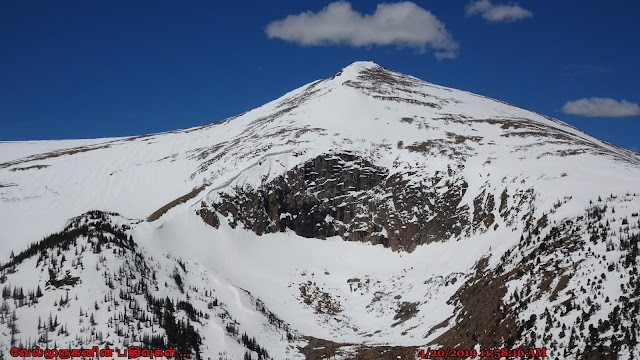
182 199
406 311
318 349
29 167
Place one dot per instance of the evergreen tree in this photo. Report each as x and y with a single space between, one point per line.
13 327
51 327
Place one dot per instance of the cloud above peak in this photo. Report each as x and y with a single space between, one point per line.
497 13
601 107
403 24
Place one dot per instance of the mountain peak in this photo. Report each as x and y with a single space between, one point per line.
478 199
356 68
361 64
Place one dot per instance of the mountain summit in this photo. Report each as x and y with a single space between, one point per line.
369 214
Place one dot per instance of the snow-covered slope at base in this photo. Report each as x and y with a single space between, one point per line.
329 289
274 268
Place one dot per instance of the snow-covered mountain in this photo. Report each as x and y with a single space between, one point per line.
367 215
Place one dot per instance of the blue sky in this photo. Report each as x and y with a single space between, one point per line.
83 69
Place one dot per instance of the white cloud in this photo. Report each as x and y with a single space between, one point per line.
402 24
601 107
497 13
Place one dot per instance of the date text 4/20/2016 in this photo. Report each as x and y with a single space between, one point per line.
484 353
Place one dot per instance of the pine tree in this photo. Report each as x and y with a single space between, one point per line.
44 337
51 327
13 327
4 311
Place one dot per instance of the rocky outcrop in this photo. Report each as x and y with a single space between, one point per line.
346 195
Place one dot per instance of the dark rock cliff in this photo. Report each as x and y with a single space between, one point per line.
346 195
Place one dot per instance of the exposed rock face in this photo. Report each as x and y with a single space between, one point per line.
348 196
